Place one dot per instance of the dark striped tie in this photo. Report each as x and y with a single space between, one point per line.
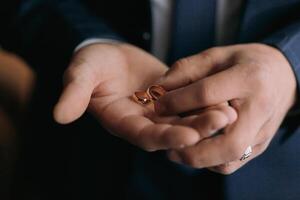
192 28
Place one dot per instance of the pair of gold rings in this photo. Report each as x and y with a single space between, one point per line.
153 93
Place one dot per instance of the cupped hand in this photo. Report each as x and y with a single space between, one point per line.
103 77
256 79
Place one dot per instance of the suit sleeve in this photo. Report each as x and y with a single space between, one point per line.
287 40
69 18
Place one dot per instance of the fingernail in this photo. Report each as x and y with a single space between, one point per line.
156 92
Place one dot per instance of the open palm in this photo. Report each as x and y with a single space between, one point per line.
103 77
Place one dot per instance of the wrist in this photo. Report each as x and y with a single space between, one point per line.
289 75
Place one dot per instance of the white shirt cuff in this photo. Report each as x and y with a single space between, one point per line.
95 41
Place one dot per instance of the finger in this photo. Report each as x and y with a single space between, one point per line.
192 114
74 100
209 122
195 112
226 109
190 69
151 137
212 90
262 141
226 147
233 166
131 125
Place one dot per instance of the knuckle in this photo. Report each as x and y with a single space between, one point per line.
208 56
211 53
181 64
186 66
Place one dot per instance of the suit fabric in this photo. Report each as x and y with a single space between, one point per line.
273 175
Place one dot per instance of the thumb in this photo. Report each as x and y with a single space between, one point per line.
190 69
79 84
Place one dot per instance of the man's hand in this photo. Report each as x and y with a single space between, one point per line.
258 82
16 80
103 77
16 86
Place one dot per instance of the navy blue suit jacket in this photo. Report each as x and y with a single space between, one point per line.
273 175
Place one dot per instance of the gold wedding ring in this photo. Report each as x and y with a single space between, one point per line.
153 93
156 91
142 97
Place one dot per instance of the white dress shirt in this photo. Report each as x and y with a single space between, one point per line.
227 21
